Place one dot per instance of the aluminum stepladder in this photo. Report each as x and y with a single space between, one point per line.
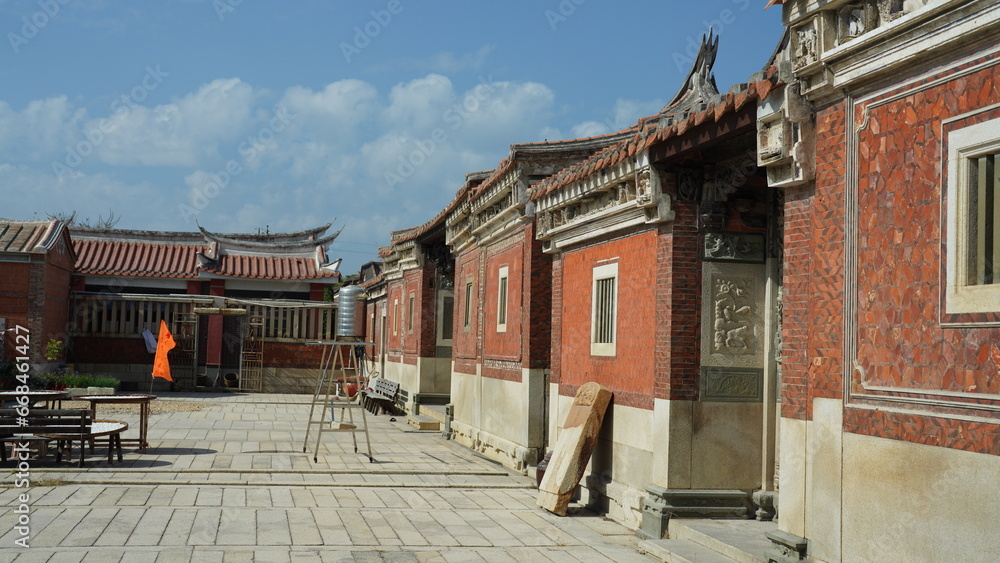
339 370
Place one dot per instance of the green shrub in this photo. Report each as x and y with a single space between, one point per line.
64 380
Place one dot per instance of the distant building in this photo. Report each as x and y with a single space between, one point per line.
240 306
36 261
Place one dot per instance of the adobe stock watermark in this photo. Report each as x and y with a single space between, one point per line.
225 7
35 23
120 108
249 150
454 116
726 17
563 11
363 35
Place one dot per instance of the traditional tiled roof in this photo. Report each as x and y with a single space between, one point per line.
472 180
123 258
665 125
29 237
281 256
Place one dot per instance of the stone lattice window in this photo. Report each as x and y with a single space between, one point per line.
604 326
467 317
502 301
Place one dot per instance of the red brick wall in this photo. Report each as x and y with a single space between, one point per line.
465 342
537 304
504 345
427 315
101 350
292 355
814 275
413 288
395 314
631 372
14 302
557 316
678 306
56 307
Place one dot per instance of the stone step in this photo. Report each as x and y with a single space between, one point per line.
681 551
421 422
434 411
740 540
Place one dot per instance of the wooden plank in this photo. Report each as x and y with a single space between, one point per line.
575 445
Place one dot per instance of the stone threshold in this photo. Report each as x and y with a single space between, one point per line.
712 541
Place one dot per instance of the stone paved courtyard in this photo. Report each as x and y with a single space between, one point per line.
225 479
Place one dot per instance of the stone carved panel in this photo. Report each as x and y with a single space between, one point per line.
732 384
735 247
734 315
689 183
806 44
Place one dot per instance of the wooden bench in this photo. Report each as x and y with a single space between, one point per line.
40 426
381 395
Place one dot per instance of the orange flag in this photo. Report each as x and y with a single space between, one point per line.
164 344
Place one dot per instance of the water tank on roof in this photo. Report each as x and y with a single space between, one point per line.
350 311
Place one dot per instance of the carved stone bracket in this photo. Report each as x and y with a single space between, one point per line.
734 247
736 385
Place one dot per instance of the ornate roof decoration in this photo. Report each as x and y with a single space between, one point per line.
699 86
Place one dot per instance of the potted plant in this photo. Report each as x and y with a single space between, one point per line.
53 350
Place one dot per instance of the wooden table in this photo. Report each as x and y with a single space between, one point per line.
34 396
132 399
99 428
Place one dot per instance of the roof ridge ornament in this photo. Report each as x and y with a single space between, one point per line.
699 86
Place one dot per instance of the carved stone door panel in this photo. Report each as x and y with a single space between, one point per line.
734 298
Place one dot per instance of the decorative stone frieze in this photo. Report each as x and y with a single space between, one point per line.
743 385
627 196
734 247
786 138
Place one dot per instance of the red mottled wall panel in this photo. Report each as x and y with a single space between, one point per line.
901 155
630 373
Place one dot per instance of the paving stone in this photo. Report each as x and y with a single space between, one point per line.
230 483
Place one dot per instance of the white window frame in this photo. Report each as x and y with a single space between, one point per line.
443 295
467 312
603 272
503 298
409 317
964 144
395 317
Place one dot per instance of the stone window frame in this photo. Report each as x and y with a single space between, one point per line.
503 289
963 145
599 310
409 316
467 313
395 316
443 296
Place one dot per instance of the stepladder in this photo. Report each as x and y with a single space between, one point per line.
338 395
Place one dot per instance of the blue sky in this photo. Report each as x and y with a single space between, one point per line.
245 114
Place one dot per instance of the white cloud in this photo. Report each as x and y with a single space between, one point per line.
183 133
445 62
41 130
590 129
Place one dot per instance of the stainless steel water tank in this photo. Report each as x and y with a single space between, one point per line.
350 311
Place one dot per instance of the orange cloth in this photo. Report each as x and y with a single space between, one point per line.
164 344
